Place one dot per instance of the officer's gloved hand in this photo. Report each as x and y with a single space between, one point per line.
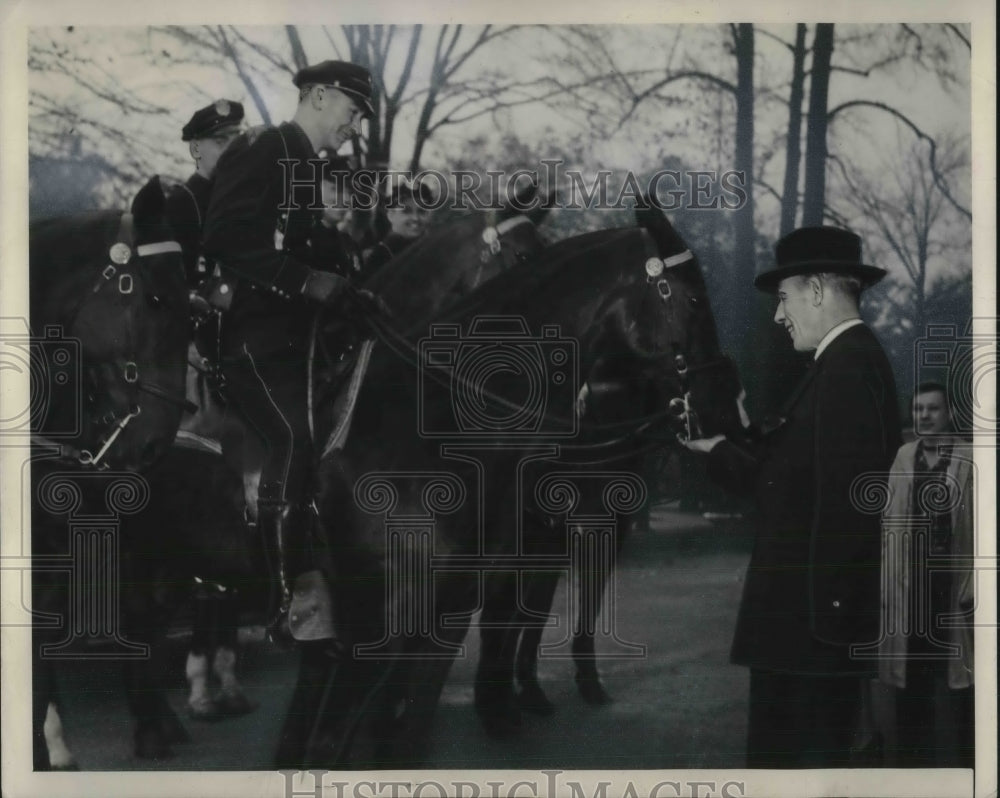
199 305
374 302
325 287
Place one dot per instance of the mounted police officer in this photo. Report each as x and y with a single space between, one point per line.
261 216
209 131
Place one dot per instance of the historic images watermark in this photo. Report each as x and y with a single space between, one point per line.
78 510
468 190
326 784
500 402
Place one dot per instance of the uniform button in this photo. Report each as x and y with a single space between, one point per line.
836 604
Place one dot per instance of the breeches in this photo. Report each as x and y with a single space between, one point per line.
268 387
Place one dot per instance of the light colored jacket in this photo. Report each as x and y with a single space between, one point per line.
898 526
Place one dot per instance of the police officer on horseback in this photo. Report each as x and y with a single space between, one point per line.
208 133
262 214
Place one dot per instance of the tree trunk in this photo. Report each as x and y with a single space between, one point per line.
819 84
298 52
745 235
793 151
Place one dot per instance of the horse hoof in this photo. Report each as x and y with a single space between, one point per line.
173 730
533 699
151 745
206 710
593 691
236 704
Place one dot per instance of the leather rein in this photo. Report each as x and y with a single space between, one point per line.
122 253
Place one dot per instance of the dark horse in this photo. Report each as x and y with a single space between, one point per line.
108 306
621 412
424 509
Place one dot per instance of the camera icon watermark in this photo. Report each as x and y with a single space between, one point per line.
51 363
965 364
500 380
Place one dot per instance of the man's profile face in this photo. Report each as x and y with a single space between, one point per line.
931 415
207 151
342 116
799 312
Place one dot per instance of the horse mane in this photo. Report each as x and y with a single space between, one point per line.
430 241
537 272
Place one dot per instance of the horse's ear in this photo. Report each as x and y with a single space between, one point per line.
149 203
650 215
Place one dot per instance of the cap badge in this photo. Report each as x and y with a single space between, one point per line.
120 253
222 107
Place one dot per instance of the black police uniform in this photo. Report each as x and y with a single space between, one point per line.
187 203
261 218
263 246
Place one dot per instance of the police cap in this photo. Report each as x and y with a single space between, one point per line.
353 80
212 119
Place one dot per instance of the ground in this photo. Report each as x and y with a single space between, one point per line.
681 706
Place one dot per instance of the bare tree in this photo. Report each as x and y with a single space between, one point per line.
816 151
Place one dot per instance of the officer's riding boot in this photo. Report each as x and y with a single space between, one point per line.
280 526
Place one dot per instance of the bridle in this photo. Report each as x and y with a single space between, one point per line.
123 271
657 278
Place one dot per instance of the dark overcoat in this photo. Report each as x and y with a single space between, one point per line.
812 587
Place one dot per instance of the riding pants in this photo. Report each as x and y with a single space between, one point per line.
268 385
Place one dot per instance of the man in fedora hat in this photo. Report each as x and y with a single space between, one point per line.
263 211
812 586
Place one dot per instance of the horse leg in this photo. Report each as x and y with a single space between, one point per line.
60 757
156 724
201 705
499 627
592 585
530 695
42 690
316 664
232 698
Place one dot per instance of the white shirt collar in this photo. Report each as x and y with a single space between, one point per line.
833 333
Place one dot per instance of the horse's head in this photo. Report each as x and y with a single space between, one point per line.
451 260
652 338
114 283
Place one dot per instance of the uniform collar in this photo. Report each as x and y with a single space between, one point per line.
833 333
302 134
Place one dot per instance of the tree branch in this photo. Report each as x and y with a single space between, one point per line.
251 87
938 178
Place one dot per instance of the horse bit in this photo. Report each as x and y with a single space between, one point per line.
120 254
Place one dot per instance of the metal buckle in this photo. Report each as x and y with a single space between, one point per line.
663 287
131 372
125 283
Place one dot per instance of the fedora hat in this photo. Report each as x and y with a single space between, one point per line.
812 250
